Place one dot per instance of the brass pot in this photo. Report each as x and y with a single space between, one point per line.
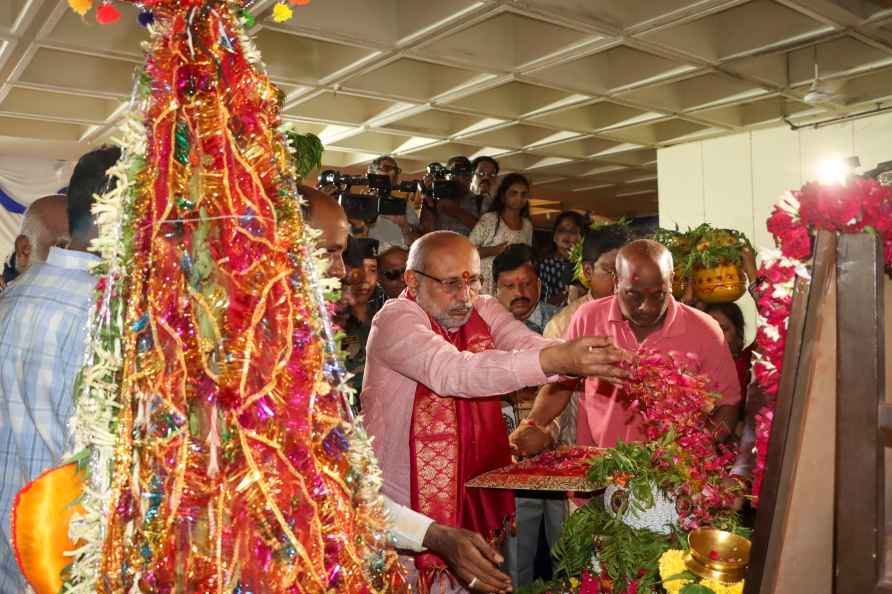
679 284
717 554
720 284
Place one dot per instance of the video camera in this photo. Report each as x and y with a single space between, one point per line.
443 184
378 200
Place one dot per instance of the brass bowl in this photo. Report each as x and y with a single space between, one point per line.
718 555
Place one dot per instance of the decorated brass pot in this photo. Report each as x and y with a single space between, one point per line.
679 284
720 284
717 554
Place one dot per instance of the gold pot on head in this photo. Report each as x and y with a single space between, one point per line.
719 284
679 284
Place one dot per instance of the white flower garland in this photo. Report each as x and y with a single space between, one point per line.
96 401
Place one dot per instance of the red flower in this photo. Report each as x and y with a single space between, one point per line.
780 221
796 244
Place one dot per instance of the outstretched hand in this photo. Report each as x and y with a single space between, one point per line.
590 356
470 558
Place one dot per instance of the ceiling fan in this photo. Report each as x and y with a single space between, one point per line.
817 93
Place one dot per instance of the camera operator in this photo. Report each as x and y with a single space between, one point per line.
399 230
459 212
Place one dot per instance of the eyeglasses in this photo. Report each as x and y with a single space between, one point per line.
486 173
393 274
387 168
454 285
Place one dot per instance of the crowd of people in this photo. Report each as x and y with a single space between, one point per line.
463 307
465 348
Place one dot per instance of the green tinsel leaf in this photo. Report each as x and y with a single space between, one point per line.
182 141
306 150
696 589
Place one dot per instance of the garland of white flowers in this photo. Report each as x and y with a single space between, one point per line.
96 398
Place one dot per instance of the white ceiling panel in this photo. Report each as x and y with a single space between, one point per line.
579 94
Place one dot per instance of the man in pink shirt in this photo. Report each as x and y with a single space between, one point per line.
642 313
439 357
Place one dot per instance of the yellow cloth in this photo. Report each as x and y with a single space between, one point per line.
40 517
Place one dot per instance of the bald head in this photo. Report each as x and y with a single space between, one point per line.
45 225
644 282
643 256
321 207
430 249
443 274
325 214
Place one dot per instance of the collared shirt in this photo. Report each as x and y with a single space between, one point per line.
556 328
403 351
540 317
602 419
43 328
559 322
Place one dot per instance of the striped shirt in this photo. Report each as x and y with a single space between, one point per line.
43 327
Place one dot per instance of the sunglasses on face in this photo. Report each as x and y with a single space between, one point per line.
394 274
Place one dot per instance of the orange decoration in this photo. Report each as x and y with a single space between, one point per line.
40 516
81 7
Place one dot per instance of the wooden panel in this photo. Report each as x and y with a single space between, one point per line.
776 169
786 435
680 179
860 467
806 555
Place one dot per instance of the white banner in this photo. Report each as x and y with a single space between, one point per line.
25 180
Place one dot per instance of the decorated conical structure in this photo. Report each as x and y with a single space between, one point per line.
211 415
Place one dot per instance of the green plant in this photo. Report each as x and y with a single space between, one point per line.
703 247
306 151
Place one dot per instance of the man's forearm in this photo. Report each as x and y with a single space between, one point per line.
550 402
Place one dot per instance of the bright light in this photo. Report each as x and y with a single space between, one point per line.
833 171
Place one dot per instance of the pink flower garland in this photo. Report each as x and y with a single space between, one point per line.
859 206
670 398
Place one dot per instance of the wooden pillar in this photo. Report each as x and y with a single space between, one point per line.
860 469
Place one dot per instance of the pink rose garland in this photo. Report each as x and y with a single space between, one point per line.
859 206
670 398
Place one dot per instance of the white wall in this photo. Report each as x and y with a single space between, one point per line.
735 181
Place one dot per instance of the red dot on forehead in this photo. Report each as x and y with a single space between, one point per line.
465 275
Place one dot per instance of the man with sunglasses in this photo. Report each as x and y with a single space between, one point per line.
439 357
391 269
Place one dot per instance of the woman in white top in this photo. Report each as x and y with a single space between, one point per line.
507 222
